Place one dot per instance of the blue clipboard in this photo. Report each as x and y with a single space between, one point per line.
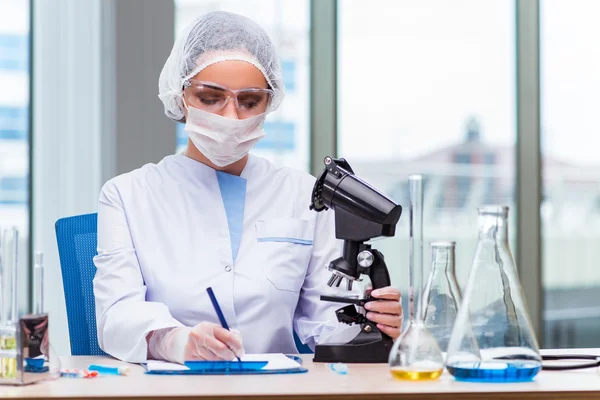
230 368
225 366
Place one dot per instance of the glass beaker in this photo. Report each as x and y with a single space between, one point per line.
441 298
9 255
493 339
416 355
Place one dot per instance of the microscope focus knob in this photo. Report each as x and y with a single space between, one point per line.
365 258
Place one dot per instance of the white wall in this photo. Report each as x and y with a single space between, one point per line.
85 130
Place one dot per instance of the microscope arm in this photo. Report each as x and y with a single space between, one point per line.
378 272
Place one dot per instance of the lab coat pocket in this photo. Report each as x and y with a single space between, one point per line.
285 248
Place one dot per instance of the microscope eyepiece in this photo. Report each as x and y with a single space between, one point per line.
362 212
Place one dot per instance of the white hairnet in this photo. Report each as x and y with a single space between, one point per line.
214 37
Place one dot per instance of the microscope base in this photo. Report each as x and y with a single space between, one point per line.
373 347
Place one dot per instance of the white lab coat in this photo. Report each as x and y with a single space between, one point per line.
163 238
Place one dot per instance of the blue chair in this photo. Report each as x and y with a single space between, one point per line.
77 242
77 238
302 348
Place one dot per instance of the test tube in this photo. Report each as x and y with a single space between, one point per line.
8 309
2 271
416 245
38 282
1 276
9 282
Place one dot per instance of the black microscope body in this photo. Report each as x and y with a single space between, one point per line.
361 214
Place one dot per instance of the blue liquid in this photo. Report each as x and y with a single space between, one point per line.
494 371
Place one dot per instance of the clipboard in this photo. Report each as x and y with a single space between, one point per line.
267 364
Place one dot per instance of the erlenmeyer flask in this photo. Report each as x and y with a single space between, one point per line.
416 355
441 298
493 339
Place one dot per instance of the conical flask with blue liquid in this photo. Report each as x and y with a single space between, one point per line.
493 339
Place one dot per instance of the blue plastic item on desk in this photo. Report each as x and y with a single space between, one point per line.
225 366
231 372
109 369
338 368
35 365
229 368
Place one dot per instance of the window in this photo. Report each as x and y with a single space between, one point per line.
570 122
14 125
287 22
429 87
13 122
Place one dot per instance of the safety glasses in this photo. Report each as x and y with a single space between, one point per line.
211 97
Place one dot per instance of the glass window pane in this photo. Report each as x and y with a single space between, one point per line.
288 24
570 122
14 128
441 102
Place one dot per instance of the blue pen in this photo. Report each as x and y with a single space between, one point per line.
215 304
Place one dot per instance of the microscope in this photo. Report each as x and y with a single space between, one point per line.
361 214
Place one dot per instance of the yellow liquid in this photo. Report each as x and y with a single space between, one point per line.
401 374
8 365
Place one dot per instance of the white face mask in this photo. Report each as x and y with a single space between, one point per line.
223 140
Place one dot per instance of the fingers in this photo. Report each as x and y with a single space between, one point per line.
236 344
233 340
219 349
216 340
385 319
388 293
206 354
196 350
386 312
384 306
200 353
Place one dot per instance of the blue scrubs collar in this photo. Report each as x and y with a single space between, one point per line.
233 192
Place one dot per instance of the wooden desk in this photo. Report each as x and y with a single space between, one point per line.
363 381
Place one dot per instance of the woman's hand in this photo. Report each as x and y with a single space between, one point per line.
386 313
205 341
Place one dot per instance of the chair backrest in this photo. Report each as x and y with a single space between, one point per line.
302 348
77 245
77 241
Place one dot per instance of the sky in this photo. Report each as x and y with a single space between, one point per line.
411 74
570 79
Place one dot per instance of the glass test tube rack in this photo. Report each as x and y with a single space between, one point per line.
25 352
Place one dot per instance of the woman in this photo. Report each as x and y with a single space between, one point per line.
216 216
